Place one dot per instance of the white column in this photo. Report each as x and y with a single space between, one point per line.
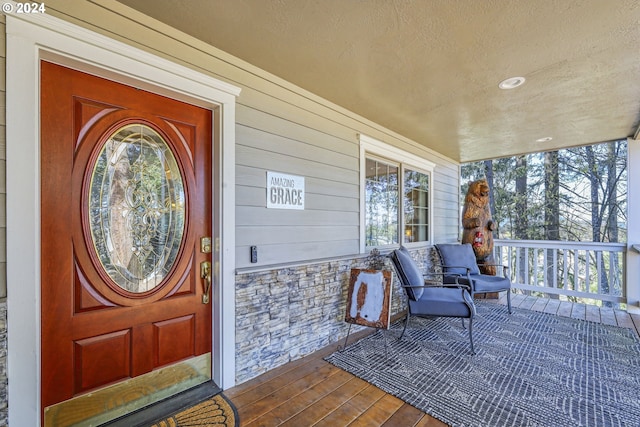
633 226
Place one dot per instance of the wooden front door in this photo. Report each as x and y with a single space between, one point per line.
125 202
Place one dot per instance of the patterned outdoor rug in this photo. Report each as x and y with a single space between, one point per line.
531 369
216 411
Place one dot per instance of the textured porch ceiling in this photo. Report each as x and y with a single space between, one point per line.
429 69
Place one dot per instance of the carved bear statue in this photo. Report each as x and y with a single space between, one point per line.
478 226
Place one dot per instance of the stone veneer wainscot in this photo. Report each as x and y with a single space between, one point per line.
284 314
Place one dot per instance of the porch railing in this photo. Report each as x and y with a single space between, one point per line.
582 270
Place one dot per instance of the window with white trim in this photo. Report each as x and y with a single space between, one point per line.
397 190
417 205
381 202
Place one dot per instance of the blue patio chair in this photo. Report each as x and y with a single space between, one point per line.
459 266
437 300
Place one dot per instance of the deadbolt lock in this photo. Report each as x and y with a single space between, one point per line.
205 245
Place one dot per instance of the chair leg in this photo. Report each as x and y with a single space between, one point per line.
406 322
341 348
509 300
471 335
463 327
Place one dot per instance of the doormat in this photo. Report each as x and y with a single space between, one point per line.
216 411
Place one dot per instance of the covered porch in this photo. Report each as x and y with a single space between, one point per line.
311 391
279 275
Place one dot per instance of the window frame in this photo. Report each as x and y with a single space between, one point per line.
381 151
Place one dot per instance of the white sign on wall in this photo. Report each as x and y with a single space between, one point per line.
285 191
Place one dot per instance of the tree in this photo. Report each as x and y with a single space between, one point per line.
594 178
522 219
551 207
488 172
576 194
551 196
611 193
611 198
602 168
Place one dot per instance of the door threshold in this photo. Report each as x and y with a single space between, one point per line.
126 397
162 409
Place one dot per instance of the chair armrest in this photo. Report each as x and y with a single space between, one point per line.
453 274
445 285
454 266
438 276
505 268
440 284
456 285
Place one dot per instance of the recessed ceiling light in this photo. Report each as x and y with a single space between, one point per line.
545 139
511 83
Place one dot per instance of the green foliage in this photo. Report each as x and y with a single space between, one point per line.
591 198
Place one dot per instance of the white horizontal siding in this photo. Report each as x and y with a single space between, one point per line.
446 203
282 162
250 196
283 217
280 128
296 234
269 254
328 226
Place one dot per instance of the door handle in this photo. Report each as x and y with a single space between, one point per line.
205 275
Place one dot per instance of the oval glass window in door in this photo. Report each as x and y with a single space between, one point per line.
136 208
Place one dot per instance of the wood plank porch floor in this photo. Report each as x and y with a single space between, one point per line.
310 391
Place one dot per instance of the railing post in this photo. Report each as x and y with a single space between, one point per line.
633 226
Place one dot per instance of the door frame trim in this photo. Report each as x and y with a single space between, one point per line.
31 38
